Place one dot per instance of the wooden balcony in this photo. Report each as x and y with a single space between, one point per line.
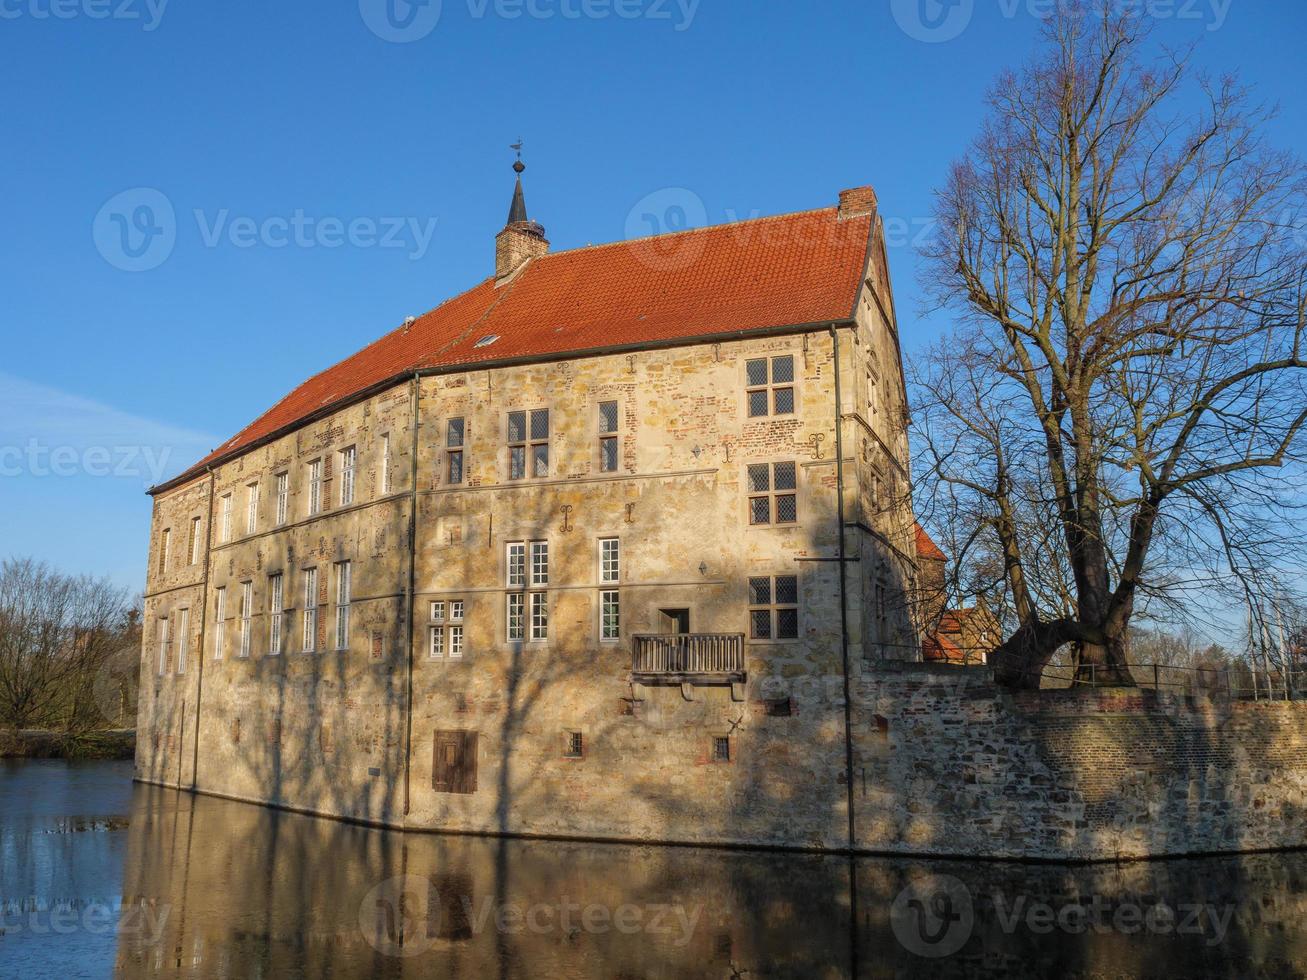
688 658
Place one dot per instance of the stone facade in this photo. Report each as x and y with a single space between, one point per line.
354 731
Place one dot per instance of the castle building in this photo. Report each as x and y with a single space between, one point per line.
596 548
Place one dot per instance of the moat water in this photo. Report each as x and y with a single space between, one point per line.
99 877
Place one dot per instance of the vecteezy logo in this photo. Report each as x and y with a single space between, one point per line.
933 916
398 916
136 230
671 209
400 21
932 21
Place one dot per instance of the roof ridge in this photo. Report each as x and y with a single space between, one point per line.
688 231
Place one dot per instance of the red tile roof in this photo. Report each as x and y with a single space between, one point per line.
775 272
939 647
926 548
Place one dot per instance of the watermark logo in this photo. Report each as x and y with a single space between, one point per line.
932 21
149 13
933 916
396 916
401 21
136 230
665 211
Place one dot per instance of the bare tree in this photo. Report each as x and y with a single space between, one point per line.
1130 278
56 634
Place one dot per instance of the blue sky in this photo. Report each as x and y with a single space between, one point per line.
248 118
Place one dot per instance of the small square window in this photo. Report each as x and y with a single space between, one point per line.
456 611
574 745
784 401
608 454
438 612
757 372
782 370
757 404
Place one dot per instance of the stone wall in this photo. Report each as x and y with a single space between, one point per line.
949 764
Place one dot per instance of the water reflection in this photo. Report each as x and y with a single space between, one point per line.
211 888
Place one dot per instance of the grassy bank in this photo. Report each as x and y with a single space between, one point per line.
31 744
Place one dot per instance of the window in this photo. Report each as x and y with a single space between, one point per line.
539 615
252 508
774 607
770 386
383 479
721 748
873 392
573 745
343 586
276 608
516 619
225 524
219 619
183 638
522 604
528 448
163 646
772 496
454 451
447 629
348 459
315 487
516 564
610 615
283 497
193 548
539 563
247 611
309 640
610 560
165 546
608 448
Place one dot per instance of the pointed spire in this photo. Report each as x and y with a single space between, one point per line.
517 210
522 239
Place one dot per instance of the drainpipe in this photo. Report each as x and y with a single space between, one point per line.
204 633
844 606
415 400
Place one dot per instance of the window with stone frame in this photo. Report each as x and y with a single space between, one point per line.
309 639
252 508
195 541
770 385
455 463
165 549
183 638
315 487
247 614
527 604
283 498
528 444
224 522
164 637
446 629
219 621
773 493
276 612
609 444
774 607
348 466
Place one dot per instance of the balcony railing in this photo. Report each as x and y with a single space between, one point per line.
701 656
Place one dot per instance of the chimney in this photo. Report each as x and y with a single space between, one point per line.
521 239
857 201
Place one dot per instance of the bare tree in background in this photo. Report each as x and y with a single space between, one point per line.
57 633
1119 417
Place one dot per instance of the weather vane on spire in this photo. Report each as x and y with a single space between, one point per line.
519 166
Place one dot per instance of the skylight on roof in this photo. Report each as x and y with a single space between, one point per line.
487 340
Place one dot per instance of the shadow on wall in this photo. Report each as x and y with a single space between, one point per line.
239 890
